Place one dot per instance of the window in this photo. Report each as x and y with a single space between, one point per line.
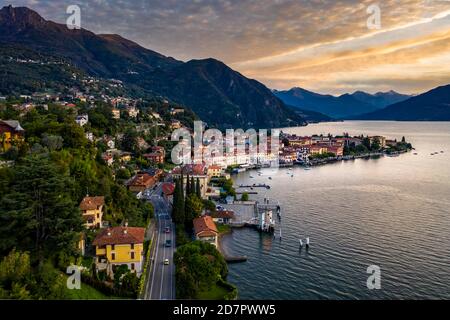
113 247
132 246
113 256
132 255
132 266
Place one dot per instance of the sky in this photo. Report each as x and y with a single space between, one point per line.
323 46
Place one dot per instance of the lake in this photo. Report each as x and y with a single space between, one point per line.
393 212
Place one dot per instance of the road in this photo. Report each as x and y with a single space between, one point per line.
161 278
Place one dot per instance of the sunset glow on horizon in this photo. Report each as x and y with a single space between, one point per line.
322 46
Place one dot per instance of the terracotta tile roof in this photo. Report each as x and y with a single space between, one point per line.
223 214
92 203
205 226
120 235
141 179
168 188
191 169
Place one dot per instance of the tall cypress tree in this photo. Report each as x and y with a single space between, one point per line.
197 189
182 201
193 187
188 186
176 202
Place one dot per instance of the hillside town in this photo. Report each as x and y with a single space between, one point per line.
128 142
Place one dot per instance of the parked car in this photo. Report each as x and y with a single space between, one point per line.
168 243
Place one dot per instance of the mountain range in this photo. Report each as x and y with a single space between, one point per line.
433 105
219 95
340 107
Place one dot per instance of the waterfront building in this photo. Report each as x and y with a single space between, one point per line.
222 216
206 230
381 140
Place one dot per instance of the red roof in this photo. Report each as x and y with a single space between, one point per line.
92 203
120 235
168 188
191 169
205 227
223 214
141 179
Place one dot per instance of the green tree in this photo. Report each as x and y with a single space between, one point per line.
193 209
199 265
38 213
193 186
366 143
188 185
244 196
198 191
15 272
178 203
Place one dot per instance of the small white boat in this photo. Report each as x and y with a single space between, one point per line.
307 168
251 177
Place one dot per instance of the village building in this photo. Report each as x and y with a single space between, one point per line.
10 133
116 113
206 230
133 112
175 124
82 120
92 209
140 182
196 171
119 246
222 216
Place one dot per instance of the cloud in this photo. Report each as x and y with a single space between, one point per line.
322 45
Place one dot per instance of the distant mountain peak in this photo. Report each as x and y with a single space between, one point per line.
218 94
345 105
10 15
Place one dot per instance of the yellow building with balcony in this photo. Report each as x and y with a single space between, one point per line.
10 133
92 211
118 246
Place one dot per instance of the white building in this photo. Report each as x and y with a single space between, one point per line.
82 120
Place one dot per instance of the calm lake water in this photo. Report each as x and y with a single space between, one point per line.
390 212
